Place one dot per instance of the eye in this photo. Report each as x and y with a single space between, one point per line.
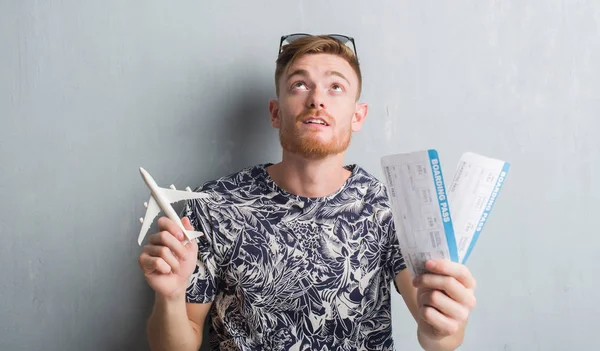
337 87
299 85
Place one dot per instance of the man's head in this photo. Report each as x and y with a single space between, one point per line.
318 82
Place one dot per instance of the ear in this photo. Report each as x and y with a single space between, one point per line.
359 116
274 112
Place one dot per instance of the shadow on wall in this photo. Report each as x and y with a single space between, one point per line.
247 135
240 136
241 131
248 129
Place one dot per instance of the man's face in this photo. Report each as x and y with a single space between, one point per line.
317 111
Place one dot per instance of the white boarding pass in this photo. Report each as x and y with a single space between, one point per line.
472 195
420 208
432 222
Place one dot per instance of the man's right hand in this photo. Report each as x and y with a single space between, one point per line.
166 263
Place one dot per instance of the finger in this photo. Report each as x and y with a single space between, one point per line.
456 270
191 249
442 324
166 224
186 223
444 304
151 264
165 253
455 290
167 239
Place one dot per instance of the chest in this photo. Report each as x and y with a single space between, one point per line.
298 262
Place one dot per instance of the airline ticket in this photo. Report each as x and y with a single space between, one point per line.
420 208
432 222
472 195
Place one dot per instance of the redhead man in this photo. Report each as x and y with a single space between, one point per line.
301 254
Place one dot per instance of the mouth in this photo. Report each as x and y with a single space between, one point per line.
315 120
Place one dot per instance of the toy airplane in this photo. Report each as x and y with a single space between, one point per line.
162 198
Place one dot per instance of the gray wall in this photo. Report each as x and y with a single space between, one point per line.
90 91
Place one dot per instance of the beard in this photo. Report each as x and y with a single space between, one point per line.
310 144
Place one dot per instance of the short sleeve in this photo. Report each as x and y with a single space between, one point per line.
203 283
395 258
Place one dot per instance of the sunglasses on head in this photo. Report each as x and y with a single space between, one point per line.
344 39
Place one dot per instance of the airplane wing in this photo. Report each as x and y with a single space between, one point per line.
177 195
193 234
154 209
151 213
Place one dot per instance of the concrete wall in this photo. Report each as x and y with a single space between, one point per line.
90 91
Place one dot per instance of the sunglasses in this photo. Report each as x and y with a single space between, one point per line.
344 39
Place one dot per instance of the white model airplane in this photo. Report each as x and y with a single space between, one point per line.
162 198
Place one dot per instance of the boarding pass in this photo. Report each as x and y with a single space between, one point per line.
433 221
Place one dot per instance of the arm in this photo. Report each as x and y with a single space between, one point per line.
440 302
167 265
175 324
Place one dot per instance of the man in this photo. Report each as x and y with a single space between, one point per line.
299 255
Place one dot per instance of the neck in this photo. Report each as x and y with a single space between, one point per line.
309 177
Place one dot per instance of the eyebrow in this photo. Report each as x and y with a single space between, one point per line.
303 72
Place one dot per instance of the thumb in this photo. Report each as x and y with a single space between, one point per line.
186 223
191 245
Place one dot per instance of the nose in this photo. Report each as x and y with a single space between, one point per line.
316 100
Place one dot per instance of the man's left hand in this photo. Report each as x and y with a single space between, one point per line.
445 295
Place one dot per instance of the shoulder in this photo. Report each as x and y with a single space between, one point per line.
219 209
374 190
245 183
373 193
240 178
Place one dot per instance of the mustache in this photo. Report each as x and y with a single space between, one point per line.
315 113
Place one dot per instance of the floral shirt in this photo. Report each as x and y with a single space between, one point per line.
286 272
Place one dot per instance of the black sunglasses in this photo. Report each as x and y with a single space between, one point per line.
344 39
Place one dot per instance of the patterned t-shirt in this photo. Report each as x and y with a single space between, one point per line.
287 272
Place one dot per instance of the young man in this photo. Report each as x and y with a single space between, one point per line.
299 255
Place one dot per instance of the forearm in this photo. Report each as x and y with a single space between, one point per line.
169 327
448 343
